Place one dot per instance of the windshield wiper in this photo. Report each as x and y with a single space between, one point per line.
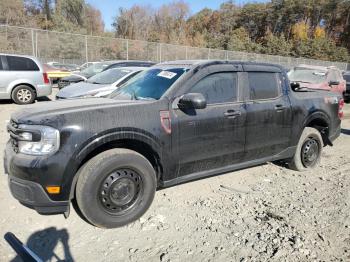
133 95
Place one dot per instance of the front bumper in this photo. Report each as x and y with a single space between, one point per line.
28 192
32 195
43 90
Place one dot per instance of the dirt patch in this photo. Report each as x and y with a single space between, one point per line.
257 214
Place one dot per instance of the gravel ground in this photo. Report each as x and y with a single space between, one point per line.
257 214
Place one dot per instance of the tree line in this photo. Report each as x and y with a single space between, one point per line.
74 16
318 29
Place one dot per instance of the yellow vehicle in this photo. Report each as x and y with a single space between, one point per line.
55 73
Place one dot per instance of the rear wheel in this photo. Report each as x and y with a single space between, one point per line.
309 149
115 188
23 95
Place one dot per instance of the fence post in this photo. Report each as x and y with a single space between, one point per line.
186 52
33 44
226 54
209 54
86 49
127 49
160 52
36 44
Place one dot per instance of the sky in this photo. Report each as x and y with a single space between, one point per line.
109 8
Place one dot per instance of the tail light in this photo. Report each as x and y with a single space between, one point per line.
46 78
341 108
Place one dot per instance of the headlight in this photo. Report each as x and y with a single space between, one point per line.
38 140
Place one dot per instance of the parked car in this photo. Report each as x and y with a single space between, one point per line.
318 77
172 123
68 67
86 65
346 76
23 79
55 73
101 84
83 75
97 68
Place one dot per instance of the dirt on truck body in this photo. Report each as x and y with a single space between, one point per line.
175 122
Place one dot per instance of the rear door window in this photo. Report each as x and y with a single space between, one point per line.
218 87
347 78
263 85
21 64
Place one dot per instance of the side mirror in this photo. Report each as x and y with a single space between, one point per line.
333 83
192 101
295 85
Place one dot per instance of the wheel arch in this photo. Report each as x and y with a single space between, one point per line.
145 146
320 121
22 84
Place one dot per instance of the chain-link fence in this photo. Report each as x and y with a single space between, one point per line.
77 49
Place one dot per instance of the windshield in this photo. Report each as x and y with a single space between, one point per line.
150 84
305 75
94 69
109 76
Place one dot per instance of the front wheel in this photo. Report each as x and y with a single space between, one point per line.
308 152
115 188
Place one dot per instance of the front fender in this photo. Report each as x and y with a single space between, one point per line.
70 178
118 134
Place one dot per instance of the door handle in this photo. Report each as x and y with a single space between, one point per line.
232 113
280 107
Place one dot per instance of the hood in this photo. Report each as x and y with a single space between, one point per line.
74 78
81 89
54 113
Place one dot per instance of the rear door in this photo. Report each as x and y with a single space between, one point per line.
213 137
269 115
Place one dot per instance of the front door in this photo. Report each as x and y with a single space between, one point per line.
213 137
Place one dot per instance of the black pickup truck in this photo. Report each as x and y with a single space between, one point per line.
175 122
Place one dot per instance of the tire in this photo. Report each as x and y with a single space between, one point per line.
308 152
23 95
115 188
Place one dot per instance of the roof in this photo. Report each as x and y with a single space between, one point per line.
130 68
203 63
27 56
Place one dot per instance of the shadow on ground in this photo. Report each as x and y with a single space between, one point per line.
345 131
9 101
44 242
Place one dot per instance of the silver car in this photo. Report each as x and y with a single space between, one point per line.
101 84
22 79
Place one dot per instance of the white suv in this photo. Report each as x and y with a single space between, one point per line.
22 79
